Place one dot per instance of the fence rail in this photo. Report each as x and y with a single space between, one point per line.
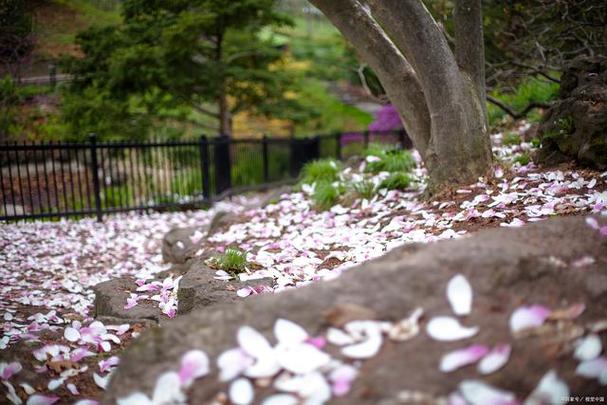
54 180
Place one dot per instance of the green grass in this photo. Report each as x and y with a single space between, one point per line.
511 139
320 171
232 261
326 195
394 160
396 181
523 159
364 189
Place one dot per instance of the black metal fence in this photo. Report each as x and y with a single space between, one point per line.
54 180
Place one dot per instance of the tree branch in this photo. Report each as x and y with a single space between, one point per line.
510 111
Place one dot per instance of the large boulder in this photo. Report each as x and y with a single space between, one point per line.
575 126
537 264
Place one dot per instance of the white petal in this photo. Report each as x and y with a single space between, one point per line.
71 334
168 389
253 342
232 362
241 392
588 348
459 294
462 357
592 368
301 359
446 329
280 399
137 398
478 393
29 390
495 360
550 390
528 317
56 383
264 367
102 382
288 332
339 337
365 349
41 400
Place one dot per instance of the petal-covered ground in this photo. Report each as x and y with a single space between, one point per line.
47 269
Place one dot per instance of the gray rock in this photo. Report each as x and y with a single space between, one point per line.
574 127
110 299
499 263
199 289
177 244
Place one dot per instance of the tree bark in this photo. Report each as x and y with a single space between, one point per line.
469 44
393 70
225 115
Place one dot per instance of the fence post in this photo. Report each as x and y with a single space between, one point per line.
204 166
266 167
95 174
337 136
223 164
366 139
52 75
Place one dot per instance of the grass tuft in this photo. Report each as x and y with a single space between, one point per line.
394 160
232 261
320 171
364 189
396 181
326 195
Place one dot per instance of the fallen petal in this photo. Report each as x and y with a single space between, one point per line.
592 368
281 399
253 342
288 332
550 390
241 392
446 329
168 389
71 334
365 349
462 357
194 364
528 317
338 337
478 393
41 400
301 359
459 294
588 348
495 360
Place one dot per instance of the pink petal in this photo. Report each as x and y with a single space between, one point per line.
592 222
446 329
462 357
105 365
528 317
459 294
10 369
72 389
245 292
241 392
495 360
194 364
42 400
342 378
318 342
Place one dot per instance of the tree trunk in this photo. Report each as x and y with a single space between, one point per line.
225 115
401 41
